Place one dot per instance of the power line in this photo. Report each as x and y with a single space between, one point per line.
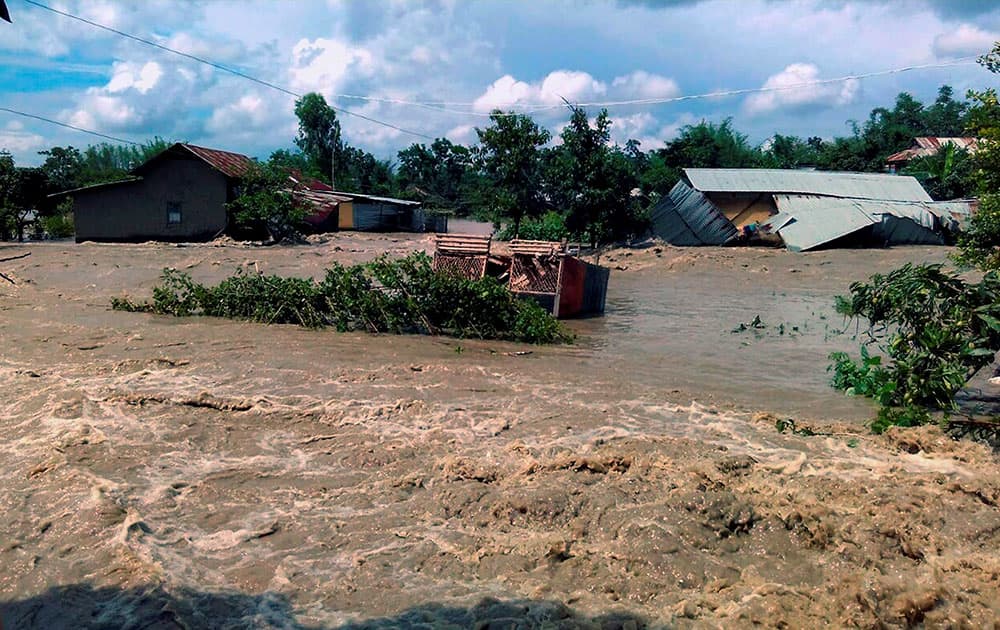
525 108
68 126
219 66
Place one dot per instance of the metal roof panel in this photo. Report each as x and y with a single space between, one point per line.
825 183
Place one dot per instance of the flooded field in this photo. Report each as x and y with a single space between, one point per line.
189 473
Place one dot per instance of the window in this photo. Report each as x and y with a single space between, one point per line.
173 213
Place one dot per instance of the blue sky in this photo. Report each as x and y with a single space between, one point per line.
473 55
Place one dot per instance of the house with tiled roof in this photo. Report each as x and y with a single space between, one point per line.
177 195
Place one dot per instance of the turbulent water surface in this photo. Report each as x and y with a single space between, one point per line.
189 473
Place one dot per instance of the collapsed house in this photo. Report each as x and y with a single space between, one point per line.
542 271
802 210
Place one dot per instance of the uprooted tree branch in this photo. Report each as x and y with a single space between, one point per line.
8 259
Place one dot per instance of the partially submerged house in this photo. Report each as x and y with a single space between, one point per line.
337 210
924 147
178 195
802 210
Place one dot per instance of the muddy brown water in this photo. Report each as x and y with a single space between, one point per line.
189 473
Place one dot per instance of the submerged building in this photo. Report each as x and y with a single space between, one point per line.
802 210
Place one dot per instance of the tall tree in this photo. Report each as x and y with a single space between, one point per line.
319 135
509 155
107 162
442 175
980 245
63 166
590 180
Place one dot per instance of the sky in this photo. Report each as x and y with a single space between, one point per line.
434 68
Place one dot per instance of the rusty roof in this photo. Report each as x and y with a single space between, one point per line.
929 145
230 164
226 162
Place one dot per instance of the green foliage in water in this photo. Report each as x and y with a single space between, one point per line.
934 331
396 296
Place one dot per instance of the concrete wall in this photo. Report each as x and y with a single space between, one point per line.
138 211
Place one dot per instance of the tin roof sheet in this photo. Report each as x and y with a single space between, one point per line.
925 146
687 217
230 164
388 200
825 183
819 220
226 162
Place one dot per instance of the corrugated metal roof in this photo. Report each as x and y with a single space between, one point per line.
388 200
925 146
833 184
687 217
228 163
895 230
819 220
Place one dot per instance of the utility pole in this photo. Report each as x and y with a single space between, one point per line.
333 159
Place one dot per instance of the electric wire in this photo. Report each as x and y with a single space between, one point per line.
69 126
221 67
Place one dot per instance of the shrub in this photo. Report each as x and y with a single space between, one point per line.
935 331
58 226
396 296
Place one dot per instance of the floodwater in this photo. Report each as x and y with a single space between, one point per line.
189 473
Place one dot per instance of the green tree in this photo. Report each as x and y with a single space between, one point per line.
704 145
947 174
509 154
441 175
63 167
935 328
265 204
790 152
592 181
319 136
107 162
946 117
290 160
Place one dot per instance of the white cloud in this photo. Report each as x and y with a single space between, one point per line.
796 87
127 76
19 142
324 65
462 134
504 92
572 85
641 84
648 129
966 40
